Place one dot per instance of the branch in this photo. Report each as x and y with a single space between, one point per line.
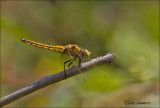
54 79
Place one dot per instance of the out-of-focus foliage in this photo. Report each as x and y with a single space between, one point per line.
129 29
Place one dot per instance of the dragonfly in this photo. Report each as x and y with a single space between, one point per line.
72 50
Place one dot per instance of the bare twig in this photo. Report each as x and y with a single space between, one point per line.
54 79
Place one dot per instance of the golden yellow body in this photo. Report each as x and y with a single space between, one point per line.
70 50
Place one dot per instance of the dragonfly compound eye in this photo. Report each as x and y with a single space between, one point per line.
86 53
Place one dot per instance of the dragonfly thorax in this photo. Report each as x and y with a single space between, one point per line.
76 51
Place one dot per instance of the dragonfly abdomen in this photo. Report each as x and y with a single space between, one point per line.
58 49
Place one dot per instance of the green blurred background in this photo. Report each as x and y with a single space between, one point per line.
130 29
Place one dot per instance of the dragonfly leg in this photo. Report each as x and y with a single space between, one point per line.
64 66
80 62
72 61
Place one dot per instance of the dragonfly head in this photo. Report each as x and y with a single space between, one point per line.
86 53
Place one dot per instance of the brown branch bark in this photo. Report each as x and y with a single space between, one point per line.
54 79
